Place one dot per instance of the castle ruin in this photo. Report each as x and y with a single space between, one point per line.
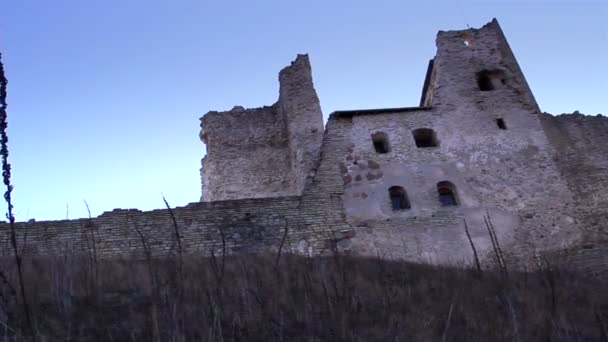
418 183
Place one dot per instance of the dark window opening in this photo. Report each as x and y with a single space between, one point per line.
399 200
484 82
447 194
490 79
380 142
425 137
501 123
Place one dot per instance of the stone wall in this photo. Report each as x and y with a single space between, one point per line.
300 106
117 233
246 226
581 144
268 151
247 155
509 174
273 176
311 224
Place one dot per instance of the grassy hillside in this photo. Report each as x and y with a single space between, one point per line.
254 298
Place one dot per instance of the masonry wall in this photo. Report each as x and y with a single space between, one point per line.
581 146
273 177
268 151
509 174
247 156
247 226
299 103
491 173
309 224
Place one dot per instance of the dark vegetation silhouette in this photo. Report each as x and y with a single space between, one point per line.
283 297
339 298
6 179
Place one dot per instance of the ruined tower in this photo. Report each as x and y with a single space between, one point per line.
474 149
267 151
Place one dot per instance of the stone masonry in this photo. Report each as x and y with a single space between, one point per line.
411 183
268 151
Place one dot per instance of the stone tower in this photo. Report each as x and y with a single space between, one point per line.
474 148
267 151
476 66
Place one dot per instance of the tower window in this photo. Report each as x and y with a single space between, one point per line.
501 123
425 137
399 200
447 194
380 141
490 79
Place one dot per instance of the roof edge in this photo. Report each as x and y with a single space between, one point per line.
345 113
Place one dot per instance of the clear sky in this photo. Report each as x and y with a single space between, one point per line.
105 95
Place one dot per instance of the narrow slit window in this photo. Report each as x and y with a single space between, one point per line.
501 123
425 137
399 200
447 194
380 141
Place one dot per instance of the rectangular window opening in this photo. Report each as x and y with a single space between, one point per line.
380 147
501 123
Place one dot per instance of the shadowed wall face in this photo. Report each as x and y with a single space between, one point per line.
581 154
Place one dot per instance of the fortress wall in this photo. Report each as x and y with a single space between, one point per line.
581 145
299 104
509 169
313 222
490 169
248 154
248 226
507 173
267 151
541 180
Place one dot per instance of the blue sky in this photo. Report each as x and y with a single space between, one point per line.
105 96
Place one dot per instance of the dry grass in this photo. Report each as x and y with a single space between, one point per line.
299 299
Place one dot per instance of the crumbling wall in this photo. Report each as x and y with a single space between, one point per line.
268 151
309 224
246 226
300 106
581 153
248 154
462 56
508 174
541 180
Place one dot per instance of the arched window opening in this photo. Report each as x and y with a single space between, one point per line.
380 141
399 200
425 137
490 79
447 194
501 123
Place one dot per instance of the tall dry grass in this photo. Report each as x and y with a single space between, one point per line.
337 298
